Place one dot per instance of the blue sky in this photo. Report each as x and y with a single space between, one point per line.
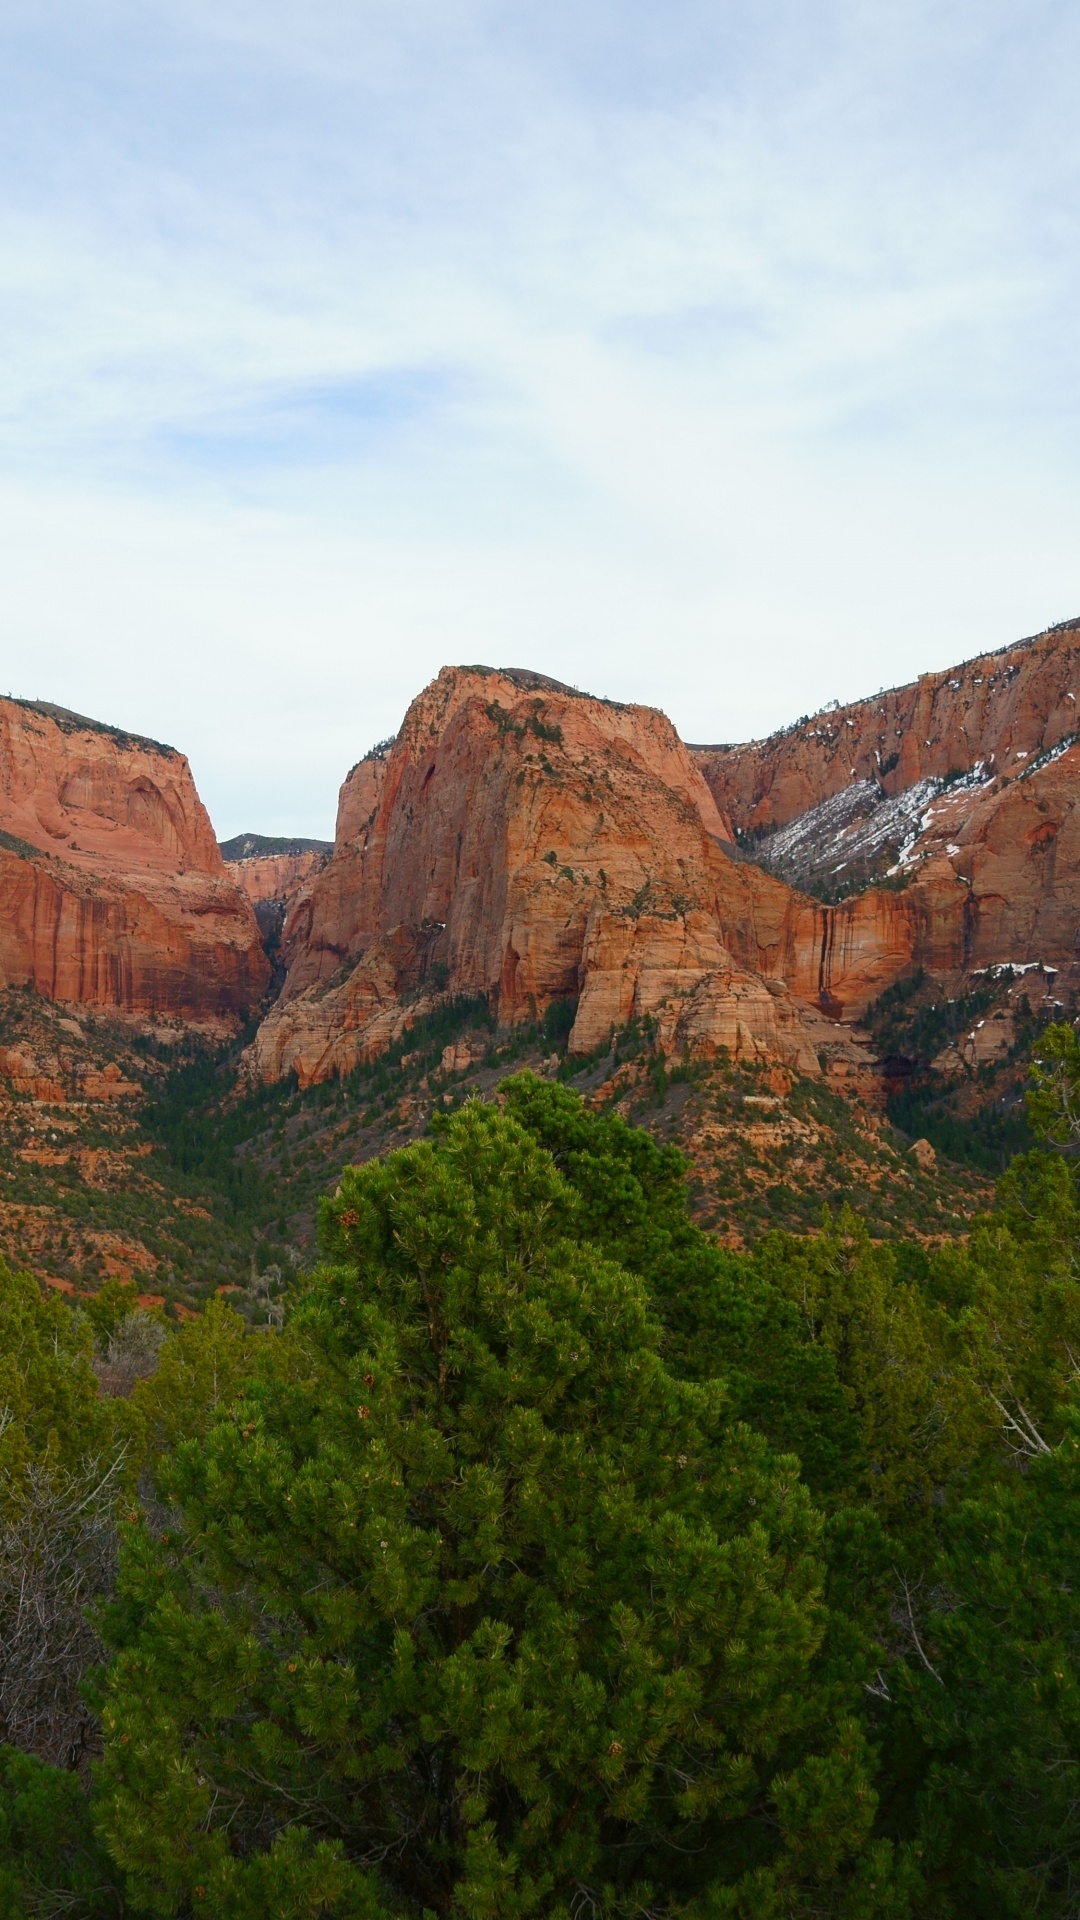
722 357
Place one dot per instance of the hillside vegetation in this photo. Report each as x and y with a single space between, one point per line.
526 1550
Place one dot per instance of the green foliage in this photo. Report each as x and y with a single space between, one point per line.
995 1725
555 1561
1054 1099
904 1365
48 1392
108 1306
51 1862
202 1372
721 1316
558 1020
477 1608
911 1022
986 1139
200 1131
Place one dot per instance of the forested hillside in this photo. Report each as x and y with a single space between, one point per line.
525 1550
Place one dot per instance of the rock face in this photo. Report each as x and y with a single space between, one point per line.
273 874
360 793
112 888
959 791
1003 709
527 843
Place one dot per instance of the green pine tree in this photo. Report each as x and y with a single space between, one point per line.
989 1704
475 1607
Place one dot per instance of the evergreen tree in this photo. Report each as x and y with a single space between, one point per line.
52 1867
721 1315
62 1458
989 1707
983 1742
475 1606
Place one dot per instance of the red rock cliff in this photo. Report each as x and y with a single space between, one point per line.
112 888
272 877
985 869
1003 708
523 842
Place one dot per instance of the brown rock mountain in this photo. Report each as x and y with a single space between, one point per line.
112 888
958 791
529 843
1001 709
274 873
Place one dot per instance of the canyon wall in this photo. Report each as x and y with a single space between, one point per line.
960 788
527 843
112 889
274 874
1003 708
514 830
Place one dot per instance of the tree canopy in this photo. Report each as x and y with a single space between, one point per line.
552 1560
476 1607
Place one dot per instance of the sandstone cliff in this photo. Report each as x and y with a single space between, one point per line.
274 874
528 843
268 878
958 791
1003 709
112 889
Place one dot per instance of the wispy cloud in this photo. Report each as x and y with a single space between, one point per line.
711 355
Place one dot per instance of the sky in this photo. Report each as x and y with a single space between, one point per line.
718 356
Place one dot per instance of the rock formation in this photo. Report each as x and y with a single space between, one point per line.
959 791
273 873
112 889
528 843
525 843
1003 710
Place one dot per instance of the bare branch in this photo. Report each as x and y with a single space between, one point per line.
1028 1440
915 1632
57 1557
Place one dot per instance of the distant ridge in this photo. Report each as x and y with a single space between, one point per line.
252 846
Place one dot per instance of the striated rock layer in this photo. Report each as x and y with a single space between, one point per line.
528 843
1003 709
961 788
112 889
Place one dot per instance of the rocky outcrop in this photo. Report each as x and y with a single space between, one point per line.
527 843
1003 709
677 972
274 873
112 889
514 828
360 793
958 792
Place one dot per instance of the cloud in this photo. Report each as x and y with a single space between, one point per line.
714 356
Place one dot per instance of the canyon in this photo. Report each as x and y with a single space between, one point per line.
525 845
698 938
273 873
